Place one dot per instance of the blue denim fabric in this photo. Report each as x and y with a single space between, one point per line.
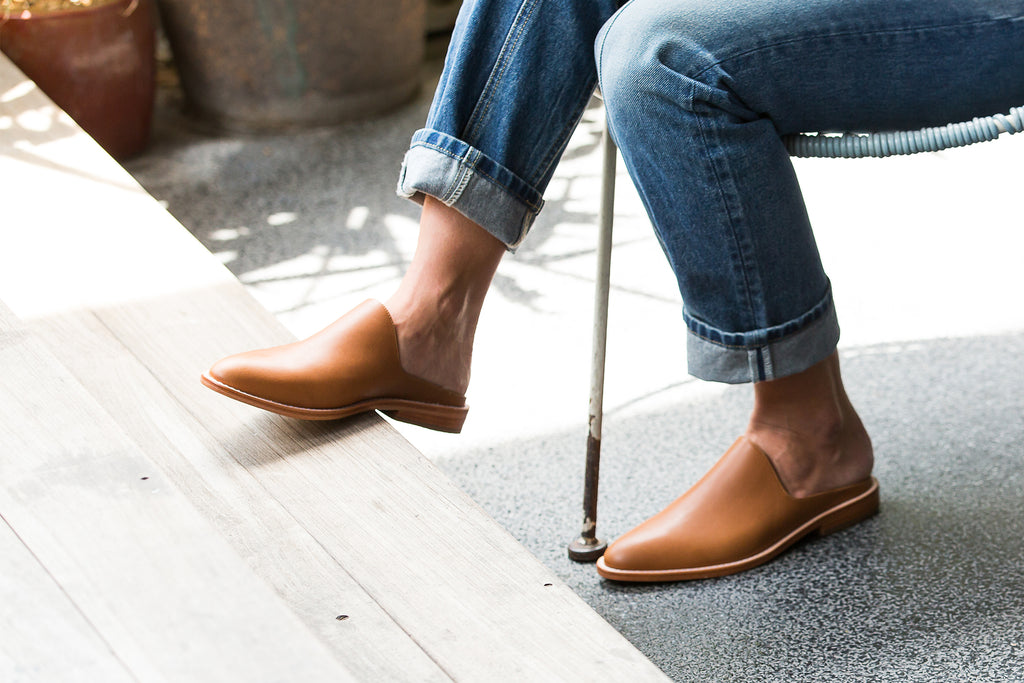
517 78
698 93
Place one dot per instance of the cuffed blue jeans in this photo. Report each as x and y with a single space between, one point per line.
698 93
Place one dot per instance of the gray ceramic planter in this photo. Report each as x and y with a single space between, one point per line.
263 65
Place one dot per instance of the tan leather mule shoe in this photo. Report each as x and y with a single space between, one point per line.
352 366
739 515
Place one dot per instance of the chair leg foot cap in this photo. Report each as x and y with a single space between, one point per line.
586 549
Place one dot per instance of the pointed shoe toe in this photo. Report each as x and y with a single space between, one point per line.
738 516
350 367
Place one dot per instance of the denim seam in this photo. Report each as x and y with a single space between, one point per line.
470 167
501 66
448 196
846 34
763 363
465 174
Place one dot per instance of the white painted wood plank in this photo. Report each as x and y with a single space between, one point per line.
268 537
56 643
161 587
467 592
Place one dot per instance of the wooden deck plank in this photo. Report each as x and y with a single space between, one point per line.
469 594
164 590
466 592
267 536
27 646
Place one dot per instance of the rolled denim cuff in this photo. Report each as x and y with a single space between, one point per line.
766 354
473 184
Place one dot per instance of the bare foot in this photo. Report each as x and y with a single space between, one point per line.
807 426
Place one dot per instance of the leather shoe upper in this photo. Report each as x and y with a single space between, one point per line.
738 511
354 359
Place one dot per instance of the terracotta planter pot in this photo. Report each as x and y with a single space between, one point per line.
96 63
262 65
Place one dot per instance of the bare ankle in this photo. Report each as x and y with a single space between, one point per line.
434 343
437 304
819 460
811 432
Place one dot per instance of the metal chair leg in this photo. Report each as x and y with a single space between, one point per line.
587 548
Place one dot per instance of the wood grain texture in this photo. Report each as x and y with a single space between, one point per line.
271 540
28 645
171 599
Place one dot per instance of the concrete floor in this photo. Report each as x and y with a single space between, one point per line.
925 259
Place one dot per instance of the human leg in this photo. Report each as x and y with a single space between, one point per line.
438 301
515 83
517 78
810 430
698 96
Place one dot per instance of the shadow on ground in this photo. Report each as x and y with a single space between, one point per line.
319 202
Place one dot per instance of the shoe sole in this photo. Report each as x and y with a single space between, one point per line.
435 416
835 519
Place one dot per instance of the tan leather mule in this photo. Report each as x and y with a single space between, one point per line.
352 366
739 515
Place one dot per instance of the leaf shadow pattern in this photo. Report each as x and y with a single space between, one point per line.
29 122
316 204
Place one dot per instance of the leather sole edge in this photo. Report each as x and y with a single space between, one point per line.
434 416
